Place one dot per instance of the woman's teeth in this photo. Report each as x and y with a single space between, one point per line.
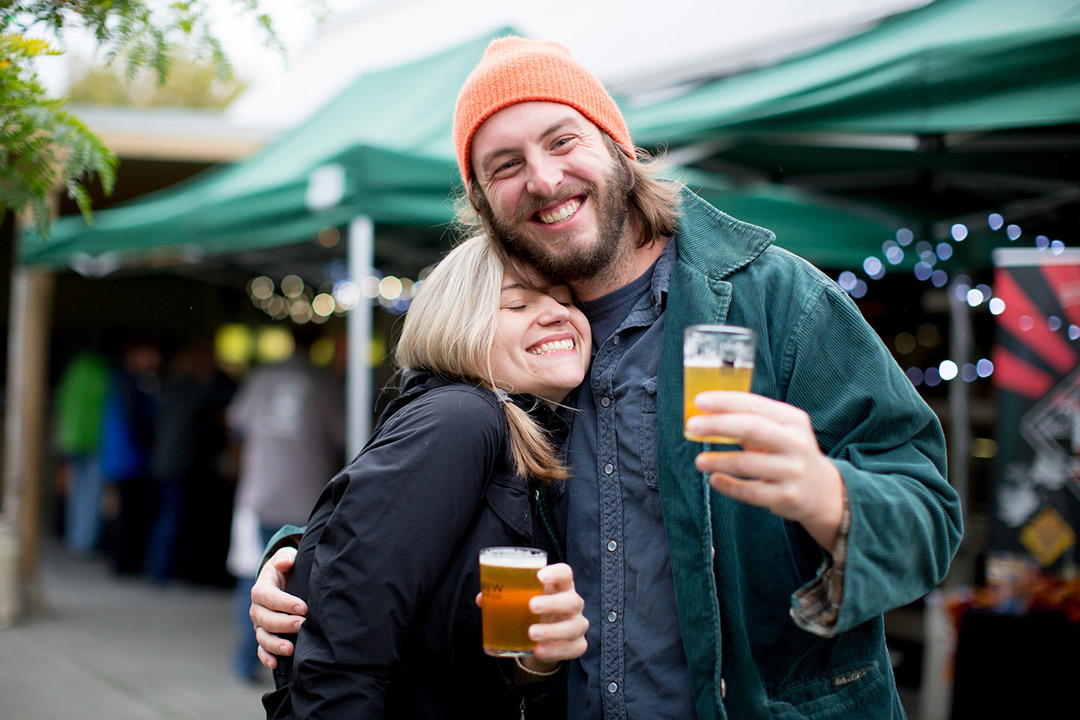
561 213
550 347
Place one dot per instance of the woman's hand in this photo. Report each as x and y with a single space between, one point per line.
273 610
560 634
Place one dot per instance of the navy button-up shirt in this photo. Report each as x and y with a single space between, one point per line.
635 666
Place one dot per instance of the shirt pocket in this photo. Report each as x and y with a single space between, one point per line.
647 433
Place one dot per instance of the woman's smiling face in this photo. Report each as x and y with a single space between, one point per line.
542 341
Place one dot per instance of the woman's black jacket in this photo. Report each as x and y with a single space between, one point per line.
388 566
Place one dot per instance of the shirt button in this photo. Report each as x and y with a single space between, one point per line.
608 469
611 545
723 688
612 687
612 616
615 341
605 401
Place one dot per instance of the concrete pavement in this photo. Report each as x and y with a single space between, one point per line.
109 648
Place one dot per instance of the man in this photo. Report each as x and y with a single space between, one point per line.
778 584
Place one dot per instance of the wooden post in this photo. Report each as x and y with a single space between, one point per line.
24 441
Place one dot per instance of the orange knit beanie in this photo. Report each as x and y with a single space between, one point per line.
515 70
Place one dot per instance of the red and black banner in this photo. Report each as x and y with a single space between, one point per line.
1036 498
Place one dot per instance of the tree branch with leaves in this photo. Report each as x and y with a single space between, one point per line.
44 148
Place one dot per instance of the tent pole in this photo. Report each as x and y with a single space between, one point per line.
960 344
361 251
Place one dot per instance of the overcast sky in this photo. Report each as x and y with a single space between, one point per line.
620 40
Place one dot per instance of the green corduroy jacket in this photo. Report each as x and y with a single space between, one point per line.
736 567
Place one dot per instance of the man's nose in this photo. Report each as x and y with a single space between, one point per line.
545 176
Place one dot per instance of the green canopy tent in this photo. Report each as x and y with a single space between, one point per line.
381 149
942 114
950 66
380 152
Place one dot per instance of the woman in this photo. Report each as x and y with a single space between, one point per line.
389 561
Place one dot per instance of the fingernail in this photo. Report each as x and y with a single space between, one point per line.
297 624
298 609
283 648
693 425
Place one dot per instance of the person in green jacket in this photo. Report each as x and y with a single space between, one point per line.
79 400
744 581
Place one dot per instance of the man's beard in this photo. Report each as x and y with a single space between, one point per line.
575 263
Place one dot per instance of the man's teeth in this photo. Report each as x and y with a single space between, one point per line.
550 347
562 213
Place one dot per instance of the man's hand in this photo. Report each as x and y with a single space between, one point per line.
560 634
273 610
781 467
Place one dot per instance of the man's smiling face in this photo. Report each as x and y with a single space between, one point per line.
551 190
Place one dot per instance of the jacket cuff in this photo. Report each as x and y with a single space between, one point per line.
815 606
287 536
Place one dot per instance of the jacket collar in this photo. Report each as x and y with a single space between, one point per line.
714 242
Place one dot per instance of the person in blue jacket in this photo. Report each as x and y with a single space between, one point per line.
744 581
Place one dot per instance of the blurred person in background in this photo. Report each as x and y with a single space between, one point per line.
189 439
127 436
78 404
290 420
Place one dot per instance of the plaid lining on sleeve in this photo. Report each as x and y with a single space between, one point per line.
816 605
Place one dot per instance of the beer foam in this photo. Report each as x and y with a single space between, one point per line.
714 364
512 558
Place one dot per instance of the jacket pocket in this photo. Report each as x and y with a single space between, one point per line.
853 692
647 433
508 498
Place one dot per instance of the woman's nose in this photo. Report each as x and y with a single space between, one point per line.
554 312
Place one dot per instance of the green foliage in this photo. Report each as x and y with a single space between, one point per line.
42 147
140 33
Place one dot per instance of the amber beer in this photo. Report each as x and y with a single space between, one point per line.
507 582
715 357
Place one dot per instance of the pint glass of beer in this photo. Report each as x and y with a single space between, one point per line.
715 357
507 581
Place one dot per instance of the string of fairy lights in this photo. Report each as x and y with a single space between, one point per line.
292 298
929 255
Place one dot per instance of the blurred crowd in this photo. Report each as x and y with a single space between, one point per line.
174 471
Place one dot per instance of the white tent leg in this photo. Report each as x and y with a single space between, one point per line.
358 329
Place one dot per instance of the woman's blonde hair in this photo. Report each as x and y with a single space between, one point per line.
450 330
